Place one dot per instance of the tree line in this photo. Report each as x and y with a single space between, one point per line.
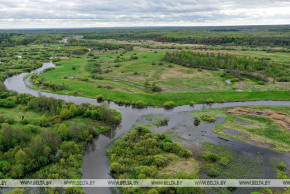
96 45
257 69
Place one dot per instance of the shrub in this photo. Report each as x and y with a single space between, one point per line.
191 103
160 161
73 68
116 167
161 122
167 146
100 97
6 103
212 172
211 157
235 80
207 118
169 104
224 161
209 101
282 166
185 153
261 83
156 89
140 104
160 135
84 79
142 129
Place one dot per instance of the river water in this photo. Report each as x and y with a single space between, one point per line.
95 164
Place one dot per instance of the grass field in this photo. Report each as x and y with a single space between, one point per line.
126 79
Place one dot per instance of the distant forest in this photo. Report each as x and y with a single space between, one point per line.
236 35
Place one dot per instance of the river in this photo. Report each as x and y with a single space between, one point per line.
95 164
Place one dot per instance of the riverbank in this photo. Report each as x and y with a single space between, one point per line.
263 127
132 81
95 163
179 99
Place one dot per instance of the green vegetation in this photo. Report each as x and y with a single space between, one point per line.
179 84
140 155
258 129
165 67
45 138
237 35
207 118
169 104
128 71
161 122
237 66
217 160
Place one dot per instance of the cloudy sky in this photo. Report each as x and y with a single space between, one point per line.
125 13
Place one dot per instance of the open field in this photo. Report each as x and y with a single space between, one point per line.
126 79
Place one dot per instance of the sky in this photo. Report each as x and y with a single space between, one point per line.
131 13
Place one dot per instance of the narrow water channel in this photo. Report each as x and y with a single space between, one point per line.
95 164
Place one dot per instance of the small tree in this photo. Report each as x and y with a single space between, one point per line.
100 97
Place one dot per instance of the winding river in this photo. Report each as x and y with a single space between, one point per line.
95 164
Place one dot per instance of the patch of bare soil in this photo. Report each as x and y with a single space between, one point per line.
279 118
64 58
185 165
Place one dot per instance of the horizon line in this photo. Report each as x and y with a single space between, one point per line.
120 27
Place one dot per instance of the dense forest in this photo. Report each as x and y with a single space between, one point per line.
240 35
13 39
99 45
51 144
235 35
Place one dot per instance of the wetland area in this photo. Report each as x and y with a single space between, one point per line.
83 105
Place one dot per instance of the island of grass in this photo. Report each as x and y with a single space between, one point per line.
263 126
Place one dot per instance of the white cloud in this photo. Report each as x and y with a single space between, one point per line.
104 13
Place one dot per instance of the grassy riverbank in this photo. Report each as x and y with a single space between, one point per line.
269 131
131 81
